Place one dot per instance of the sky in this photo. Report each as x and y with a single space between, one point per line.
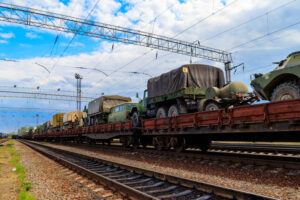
256 32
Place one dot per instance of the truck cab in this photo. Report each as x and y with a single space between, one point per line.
120 113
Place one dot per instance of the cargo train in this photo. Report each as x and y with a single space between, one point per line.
190 89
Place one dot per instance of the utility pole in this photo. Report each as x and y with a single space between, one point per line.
228 70
78 96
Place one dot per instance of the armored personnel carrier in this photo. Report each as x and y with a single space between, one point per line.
282 83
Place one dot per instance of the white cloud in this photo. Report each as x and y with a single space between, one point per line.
31 35
7 35
3 42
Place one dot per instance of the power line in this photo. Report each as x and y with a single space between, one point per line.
66 48
201 20
137 58
263 36
205 18
248 21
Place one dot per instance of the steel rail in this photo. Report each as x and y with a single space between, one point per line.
272 161
280 148
208 191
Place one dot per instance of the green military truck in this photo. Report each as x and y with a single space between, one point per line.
99 109
189 88
282 83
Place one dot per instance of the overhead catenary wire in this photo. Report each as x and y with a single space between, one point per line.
74 35
265 35
248 21
137 58
235 27
205 18
199 21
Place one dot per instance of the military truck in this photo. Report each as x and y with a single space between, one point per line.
189 88
282 83
73 119
57 121
99 108
120 113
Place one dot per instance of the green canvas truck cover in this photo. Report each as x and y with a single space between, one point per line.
186 76
103 104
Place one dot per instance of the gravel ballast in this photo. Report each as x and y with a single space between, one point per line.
50 180
253 179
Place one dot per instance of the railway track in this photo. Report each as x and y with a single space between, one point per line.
137 183
4 140
246 159
267 148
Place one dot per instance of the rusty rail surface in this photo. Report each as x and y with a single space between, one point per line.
185 188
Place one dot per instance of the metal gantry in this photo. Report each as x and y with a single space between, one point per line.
48 20
43 95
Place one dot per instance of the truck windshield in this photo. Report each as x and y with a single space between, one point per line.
131 106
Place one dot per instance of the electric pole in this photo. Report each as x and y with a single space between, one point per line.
78 96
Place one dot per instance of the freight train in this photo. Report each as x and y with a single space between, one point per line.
189 106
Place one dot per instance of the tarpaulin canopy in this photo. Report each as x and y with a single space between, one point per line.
186 76
103 104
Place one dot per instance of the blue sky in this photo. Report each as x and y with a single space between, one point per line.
30 45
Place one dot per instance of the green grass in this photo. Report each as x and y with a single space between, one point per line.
15 162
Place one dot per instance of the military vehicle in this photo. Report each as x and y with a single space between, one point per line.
189 88
99 108
120 113
73 119
57 121
282 83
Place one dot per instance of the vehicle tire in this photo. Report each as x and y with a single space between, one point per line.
285 91
212 106
173 111
181 145
200 105
161 112
136 121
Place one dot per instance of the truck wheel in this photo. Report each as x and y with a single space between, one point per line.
136 121
212 106
161 112
286 91
173 111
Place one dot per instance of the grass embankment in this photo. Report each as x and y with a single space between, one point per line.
14 161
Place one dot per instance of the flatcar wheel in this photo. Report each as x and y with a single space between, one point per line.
125 142
158 143
205 145
181 145
143 143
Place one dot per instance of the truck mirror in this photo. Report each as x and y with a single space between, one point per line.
137 95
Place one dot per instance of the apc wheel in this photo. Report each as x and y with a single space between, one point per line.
136 121
173 111
161 112
286 91
212 106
